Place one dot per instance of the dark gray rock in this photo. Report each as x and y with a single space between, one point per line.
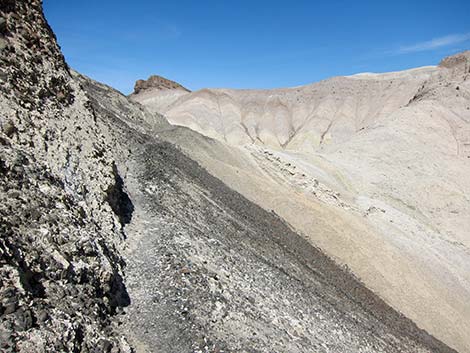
52 297
3 25
157 82
9 128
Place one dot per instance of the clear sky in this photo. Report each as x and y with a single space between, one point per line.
253 44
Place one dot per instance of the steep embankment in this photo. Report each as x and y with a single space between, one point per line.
211 271
374 172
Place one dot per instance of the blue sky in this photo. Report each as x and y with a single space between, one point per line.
253 44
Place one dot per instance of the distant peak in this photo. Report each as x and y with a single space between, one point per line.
157 82
458 60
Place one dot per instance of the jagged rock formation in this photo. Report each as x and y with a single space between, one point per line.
459 62
156 82
88 183
372 168
60 266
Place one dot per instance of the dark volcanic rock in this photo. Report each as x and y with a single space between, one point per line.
9 128
157 82
459 61
60 267
3 25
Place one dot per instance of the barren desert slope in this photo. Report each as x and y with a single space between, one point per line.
372 168
113 240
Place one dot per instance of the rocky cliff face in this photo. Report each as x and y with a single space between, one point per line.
87 185
62 205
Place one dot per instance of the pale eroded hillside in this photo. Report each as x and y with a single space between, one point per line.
373 168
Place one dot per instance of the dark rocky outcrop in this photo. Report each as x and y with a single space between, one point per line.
460 61
118 199
60 266
157 82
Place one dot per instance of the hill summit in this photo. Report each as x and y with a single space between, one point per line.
157 82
